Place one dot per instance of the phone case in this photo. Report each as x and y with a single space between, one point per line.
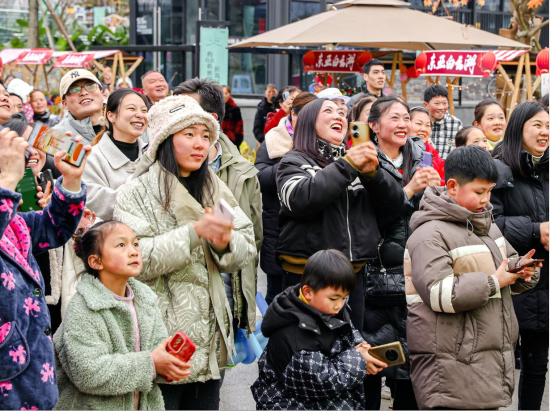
51 141
392 353
181 347
224 211
360 132
27 188
535 261
427 159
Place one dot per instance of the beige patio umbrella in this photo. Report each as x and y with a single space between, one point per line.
379 24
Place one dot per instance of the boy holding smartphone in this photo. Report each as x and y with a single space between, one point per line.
461 326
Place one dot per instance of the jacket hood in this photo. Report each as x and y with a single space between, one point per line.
437 205
287 309
278 141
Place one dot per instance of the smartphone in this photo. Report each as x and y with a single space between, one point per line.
360 132
181 347
224 211
427 160
286 95
44 177
521 267
52 140
27 188
392 353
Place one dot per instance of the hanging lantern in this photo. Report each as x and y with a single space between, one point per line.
364 58
542 62
420 63
309 59
411 72
489 63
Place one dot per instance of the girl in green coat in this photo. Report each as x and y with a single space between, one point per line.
112 343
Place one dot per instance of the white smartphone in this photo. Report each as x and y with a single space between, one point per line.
224 211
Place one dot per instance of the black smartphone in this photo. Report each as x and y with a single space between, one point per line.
521 267
44 177
27 188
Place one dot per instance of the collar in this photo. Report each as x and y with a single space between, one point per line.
444 119
112 154
303 297
219 152
98 297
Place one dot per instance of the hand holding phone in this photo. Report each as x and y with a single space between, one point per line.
360 133
224 211
427 159
391 354
182 347
12 158
52 140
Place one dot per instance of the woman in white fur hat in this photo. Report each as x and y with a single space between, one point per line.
169 205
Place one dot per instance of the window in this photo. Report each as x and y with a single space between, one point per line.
300 10
247 73
247 17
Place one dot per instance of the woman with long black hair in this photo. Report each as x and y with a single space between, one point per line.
520 209
185 245
332 198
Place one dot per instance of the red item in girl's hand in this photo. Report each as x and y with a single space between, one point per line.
181 347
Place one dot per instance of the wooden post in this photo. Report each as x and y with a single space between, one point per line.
113 81
451 99
528 77
403 83
134 66
517 84
47 83
122 69
393 67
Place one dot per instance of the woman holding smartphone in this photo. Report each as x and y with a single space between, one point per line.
385 306
185 246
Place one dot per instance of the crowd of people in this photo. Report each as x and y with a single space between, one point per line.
363 244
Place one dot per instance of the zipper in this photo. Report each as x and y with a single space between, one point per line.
347 223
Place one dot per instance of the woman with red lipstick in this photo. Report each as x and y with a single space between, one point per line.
520 209
385 306
116 150
332 197
185 245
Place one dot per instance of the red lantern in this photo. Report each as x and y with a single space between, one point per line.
309 59
364 58
319 80
420 63
489 63
411 72
542 61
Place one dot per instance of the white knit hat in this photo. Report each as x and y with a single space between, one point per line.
173 114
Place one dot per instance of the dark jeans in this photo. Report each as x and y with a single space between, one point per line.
404 396
356 300
402 392
373 391
534 365
193 396
274 287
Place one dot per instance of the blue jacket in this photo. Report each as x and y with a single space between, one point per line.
27 374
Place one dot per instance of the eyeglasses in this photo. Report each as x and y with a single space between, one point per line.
78 89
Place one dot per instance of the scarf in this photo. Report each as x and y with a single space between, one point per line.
330 151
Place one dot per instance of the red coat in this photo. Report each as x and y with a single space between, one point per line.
438 162
232 124
273 119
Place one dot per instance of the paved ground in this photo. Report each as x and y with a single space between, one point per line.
236 395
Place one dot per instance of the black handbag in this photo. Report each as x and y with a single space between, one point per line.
384 286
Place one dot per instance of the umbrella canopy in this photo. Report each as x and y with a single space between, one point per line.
379 24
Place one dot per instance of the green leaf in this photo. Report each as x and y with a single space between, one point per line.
22 23
75 36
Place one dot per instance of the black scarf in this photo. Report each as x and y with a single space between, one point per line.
330 151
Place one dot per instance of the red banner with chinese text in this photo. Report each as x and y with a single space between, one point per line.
35 56
75 60
457 63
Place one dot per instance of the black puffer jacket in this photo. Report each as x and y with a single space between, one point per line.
333 207
520 204
271 206
264 108
385 320
310 362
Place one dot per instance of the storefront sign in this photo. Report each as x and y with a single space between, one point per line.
457 63
335 61
74 60
144 25
35 56
214 55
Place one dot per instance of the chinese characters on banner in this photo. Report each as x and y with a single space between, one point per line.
455 63
214 56
35 56
74 60
335 61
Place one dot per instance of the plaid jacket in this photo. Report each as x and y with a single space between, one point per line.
444 132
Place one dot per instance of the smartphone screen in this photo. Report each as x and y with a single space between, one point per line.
51 141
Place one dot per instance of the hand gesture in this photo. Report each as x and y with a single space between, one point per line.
214 229
71 175
364 156
169 366
528 272
374 366
504 277
544 234
287 104
434 179
12 158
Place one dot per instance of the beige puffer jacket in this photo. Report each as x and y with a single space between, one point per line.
191 298
461 328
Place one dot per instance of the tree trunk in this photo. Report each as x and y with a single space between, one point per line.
32 41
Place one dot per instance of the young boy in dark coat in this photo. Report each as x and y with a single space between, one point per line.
315 358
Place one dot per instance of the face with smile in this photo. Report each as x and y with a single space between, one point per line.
473 196
191 146
16 104
270 92
120 255
155 87
38 102
85 103
131 120
327 300
535 134
477 138
493 122
437 107
375 78
331 124
393 128
5 105
421 126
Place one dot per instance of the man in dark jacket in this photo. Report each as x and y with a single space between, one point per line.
264 108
